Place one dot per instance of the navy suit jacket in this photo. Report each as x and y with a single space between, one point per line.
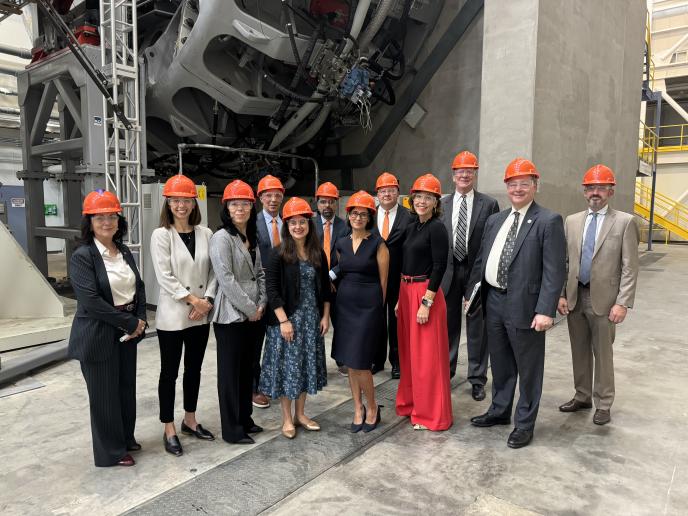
538 265
339 230
395 244
96 322
264 242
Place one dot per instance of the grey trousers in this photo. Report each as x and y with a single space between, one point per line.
592 339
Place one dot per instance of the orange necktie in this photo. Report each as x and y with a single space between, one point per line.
275 234
385 225
326 241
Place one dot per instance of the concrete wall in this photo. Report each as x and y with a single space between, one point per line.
561 86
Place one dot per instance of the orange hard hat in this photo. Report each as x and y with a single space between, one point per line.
237 189
270 183
599 175
386 179
296 206
465 159
427 183
361 199
520 167
327 190
101 201
179 186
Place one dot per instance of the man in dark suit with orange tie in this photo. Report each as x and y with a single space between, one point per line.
521 268
392 220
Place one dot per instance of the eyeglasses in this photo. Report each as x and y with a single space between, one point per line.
327 202
598 188
464 172
275 196
424 198
362 215
180 201
387 191
292 223
107 217
513 185
245 205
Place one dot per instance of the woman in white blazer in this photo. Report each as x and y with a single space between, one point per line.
179 248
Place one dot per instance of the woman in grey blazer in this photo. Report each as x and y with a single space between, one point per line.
239 306
179 249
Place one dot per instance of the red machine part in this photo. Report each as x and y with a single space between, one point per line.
336 11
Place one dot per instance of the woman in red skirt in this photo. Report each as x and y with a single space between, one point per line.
424 391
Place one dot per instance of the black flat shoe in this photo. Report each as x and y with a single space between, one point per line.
133 446
357 428
255 429
172 445
486 420
200 432
395 373
519 438
247 439
369 427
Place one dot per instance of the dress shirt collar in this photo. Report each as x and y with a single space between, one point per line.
102 249
392 210
323 220
457 196
268 217
602 212
523 210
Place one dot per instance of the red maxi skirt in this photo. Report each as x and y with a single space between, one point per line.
424 391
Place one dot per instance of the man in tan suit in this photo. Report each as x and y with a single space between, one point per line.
602 254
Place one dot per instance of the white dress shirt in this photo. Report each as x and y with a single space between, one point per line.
455 214
322 222
600 220
381 217
268 222
493 258
122 279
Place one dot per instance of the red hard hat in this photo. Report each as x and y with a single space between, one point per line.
386 179
599 175
327 190
296 206
465 159
361 199
179 186
237 189
520 167
270 183
101 201
427 183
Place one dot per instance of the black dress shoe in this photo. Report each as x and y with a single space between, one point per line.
478 392
519 438
200 432
369 427
485 420
602 417
247 439
133 446
254 429
574 405
376 369
172 445
126 461
358 427
395 373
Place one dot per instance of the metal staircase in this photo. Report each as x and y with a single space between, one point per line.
669 214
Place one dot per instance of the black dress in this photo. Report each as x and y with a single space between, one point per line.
360 313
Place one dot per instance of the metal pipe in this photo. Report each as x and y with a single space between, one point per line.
183 146
373 27
15 51
658 119
5 70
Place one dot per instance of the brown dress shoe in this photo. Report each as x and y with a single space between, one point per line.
260 400
574 405
601 417
127 461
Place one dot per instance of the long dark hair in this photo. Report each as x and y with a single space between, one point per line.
167 219
87 234
287 248
251 226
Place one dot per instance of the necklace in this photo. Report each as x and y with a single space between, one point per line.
186 237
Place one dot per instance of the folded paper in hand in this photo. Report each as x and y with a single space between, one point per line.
473 302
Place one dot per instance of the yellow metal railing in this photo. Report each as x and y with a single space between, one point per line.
673 137
669 214
647 139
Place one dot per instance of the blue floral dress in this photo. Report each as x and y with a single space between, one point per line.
292 368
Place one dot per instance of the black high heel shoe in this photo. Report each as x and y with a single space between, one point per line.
367 427
357 428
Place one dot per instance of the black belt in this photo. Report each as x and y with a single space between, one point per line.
583 285
129 307
497 289
413 279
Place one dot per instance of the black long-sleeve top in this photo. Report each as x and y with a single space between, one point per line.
425 251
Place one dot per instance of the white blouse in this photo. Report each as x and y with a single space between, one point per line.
122 279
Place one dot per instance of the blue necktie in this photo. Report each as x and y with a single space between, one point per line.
588 250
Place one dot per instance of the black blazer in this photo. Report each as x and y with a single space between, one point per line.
538 264
264 243
395 244
483 207
283 283
96 322
339 230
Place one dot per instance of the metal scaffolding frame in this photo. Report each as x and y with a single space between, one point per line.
119 61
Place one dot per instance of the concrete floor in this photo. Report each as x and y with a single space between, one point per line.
636 465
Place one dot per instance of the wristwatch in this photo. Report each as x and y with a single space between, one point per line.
426 302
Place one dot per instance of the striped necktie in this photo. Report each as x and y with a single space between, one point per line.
460 239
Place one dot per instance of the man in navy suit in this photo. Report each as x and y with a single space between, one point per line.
269 227
521 267
392 220
330 228
464 214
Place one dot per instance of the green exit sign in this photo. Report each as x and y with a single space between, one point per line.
50 209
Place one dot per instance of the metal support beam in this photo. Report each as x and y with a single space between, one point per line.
65 147
45 108
658 120
65 233
71 101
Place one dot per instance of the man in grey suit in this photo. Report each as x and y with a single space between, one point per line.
464 214
521 267
602 246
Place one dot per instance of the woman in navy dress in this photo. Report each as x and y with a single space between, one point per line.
363 261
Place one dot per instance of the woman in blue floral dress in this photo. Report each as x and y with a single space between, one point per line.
298 289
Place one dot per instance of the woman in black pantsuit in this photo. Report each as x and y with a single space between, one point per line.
109 322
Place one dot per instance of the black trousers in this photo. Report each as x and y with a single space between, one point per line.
235 345
193 341
475 334
516 354
111 388
257 352
388 335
